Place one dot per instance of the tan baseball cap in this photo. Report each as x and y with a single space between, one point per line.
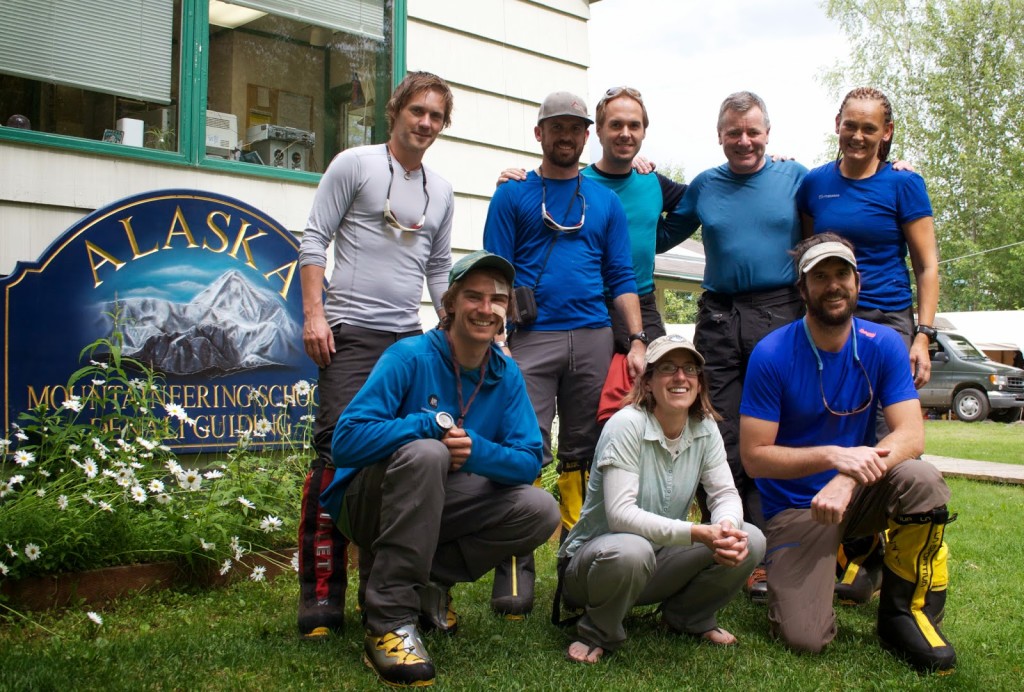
663 345
822 251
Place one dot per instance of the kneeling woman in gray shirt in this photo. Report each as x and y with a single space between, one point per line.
633 544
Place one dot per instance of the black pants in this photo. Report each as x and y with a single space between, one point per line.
728 328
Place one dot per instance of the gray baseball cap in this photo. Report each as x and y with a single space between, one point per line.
563 103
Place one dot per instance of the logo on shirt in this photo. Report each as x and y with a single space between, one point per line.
865 332
432 400
832 196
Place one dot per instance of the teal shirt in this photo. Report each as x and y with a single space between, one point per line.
643 199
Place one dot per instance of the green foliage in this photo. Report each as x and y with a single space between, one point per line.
244 637
91 484
680 307
954 72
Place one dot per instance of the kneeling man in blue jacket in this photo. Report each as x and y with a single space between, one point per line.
436 458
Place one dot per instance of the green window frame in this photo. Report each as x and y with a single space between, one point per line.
192 98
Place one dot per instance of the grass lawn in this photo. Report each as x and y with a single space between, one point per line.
243 637
984 441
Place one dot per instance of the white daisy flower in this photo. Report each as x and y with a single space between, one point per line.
246 503
11 551
173 467
98 382
163 498
138 494
16 479
146 443
190 479
88 498
44 473
74 403
225 567
156 486
21 436
262 427
23 458
90 468
32 552
4 443
5 489
106 507
41 492
259 573
270 524
74 448
302 388
95 617
213 475
4 570
206 546
62 502
295 561
175 411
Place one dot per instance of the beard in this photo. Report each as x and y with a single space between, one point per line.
835 317
564 159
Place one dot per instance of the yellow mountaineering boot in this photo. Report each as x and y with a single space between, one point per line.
913 596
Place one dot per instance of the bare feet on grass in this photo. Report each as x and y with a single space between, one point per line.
578 652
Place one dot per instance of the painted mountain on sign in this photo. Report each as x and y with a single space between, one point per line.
230 326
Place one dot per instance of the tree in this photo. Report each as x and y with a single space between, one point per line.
680 307
954 72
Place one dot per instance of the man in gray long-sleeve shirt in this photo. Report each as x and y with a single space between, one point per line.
390 219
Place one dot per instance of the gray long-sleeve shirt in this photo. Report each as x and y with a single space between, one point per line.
377 280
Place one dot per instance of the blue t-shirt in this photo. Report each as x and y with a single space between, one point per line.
570 294
783 386
644 198
749 223
870 213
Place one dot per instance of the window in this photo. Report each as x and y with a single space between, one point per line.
280 84
293 82
69 70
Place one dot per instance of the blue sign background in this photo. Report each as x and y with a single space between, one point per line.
211 292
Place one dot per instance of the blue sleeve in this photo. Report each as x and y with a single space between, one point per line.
500 227
762 387
515 456
801 194
895 381
671 193
617 268
370 429
680 223
912 202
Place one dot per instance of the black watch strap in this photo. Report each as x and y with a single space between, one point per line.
927 330
642 336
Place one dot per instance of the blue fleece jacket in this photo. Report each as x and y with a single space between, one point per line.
411 383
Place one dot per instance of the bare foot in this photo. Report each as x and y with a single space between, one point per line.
720 637
579 652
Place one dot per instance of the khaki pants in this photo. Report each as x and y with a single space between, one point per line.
801 555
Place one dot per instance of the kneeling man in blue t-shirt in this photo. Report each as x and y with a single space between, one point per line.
807 435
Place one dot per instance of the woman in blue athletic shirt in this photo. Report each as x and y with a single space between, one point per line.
885 213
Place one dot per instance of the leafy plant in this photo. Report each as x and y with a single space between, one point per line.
91 483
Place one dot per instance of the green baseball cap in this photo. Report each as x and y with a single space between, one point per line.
481 259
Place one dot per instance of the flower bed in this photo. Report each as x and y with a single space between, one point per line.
90 484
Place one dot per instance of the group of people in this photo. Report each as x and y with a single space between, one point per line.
429 445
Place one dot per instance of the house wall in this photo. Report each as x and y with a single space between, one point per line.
500 56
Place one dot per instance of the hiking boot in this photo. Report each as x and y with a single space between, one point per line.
757 585
322 577
399 657
859 569
436 612
512 591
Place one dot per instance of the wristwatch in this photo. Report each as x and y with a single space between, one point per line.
642 336
444 420
927 330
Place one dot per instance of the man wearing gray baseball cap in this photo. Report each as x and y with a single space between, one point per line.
568 238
